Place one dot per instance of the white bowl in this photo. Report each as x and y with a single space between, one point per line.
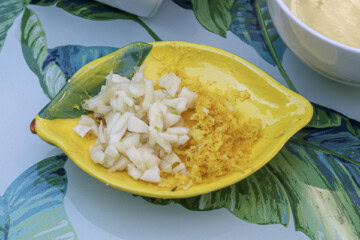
326 56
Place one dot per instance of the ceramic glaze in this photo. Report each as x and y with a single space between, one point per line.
328 57
282 111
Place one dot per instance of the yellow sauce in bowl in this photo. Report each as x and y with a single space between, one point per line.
335 19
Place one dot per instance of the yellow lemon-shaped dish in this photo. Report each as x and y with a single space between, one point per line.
282 111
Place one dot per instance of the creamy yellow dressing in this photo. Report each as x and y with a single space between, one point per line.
335 19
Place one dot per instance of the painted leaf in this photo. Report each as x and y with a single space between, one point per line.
35 51
215 15
33 205
43 2
66 57
9 10
184 3
320 169
89 81
245 25
94 10
253 199
324 118
88 9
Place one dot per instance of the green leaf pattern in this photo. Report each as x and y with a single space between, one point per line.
9 10
214 15
245 25
94 10
81 88
33 208
321 206
253 199
35 51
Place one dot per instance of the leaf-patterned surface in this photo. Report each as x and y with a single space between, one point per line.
9 10
320 172
88 9
66 57
246 26
35 51
215 16
323 118
253 199
93 10
187 4
80 88
37 196
43 2
318 165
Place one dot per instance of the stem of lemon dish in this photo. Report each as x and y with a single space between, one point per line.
271 48
148 29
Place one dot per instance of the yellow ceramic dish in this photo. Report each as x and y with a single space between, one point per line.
282 111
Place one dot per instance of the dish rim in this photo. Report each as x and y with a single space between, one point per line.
307 116
313 32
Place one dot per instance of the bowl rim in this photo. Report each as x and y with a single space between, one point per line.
293 17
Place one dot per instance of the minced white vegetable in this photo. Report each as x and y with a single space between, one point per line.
137 127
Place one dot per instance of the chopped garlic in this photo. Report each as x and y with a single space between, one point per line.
130 140
156 116
189 95
183 139
133 171
171 83
112 152
123 96
164 144
136 90
85 124
178 130
177 103
169 137
116 78
181 168
96 154
81 130
166 166
170 119
137 126
160 95
205 110
151 175
172 158
180 123
108 161
120 165
149 95
136 158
